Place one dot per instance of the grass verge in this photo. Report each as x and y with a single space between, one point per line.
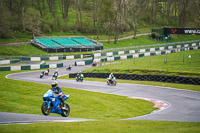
105 127
178 64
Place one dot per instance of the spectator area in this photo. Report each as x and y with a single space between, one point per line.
49 43
66 44
84 42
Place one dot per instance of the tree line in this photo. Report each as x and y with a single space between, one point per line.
110 17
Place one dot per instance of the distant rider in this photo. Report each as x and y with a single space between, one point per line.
111 77
43 63
47 72
58 91
79 74
42 72
70 67
55 75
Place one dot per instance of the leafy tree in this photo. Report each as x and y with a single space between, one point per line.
5 27
32 21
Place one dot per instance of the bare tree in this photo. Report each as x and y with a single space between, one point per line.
23 20
182 12
94 13
99 17
39 7
52 7
119 21
136 8
66 4
77 15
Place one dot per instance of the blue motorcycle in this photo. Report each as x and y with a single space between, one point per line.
51 104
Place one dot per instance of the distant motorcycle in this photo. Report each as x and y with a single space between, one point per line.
42 75
55 75
46 72
69 68
111 81
51 104
79 78
94 64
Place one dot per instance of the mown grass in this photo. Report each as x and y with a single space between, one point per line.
26 97
140 41
156 65
105 127
30 50
144 40
27 49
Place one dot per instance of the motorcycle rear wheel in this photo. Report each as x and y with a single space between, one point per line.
45 109
66 111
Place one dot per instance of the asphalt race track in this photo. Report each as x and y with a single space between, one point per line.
183 105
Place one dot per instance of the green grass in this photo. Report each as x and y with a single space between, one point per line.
155 65
143 40
30 50
105 127
17 37
21 50
140 41
26 97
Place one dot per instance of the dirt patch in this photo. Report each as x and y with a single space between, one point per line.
15 44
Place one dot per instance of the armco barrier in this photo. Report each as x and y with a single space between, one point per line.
135 55
189 45
158 78
30 67
44 58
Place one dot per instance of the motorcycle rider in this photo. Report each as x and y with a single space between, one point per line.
47 72
58 91
111 77
43 63
55 75
79 74
42 74
69 68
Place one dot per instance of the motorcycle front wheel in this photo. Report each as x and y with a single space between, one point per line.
66 111
45 109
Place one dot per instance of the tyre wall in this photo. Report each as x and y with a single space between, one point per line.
157 78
